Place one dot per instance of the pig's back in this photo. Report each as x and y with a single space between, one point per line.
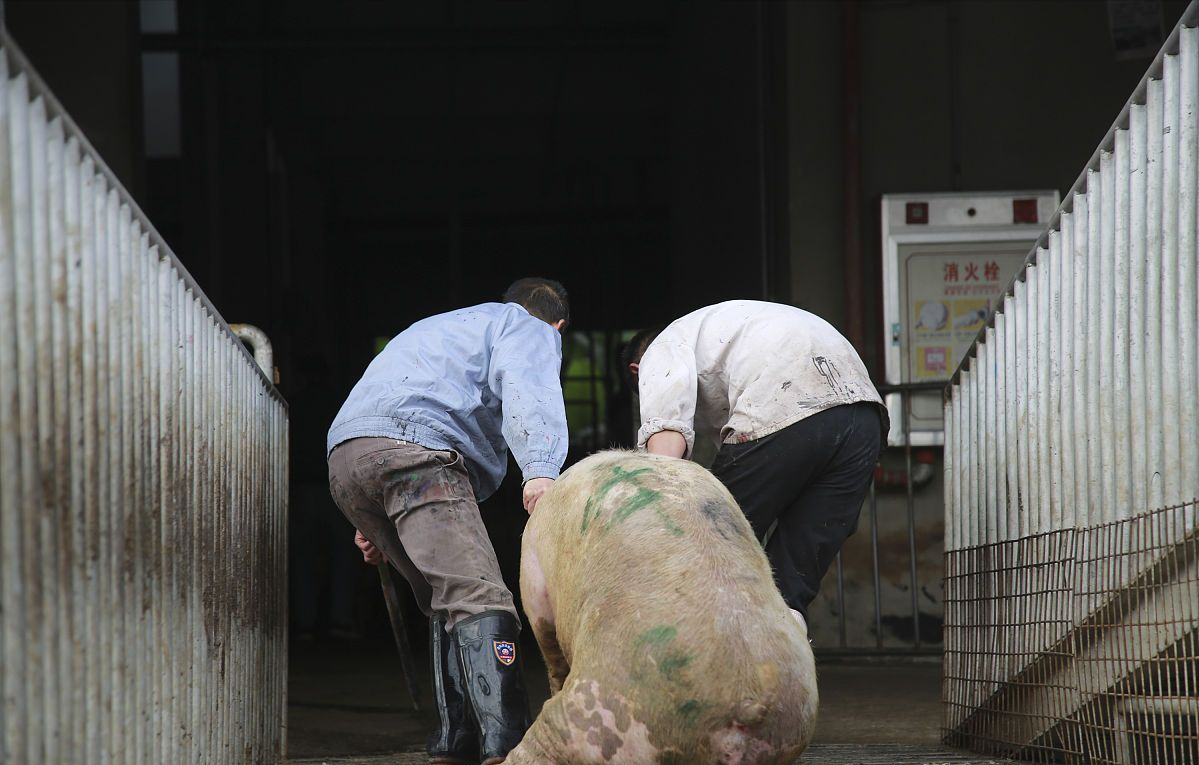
627 524
662 593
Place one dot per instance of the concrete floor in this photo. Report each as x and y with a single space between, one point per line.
348 704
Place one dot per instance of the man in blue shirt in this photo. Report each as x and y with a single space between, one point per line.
422 438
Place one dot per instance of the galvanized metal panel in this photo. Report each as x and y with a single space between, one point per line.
1104 305
1053 381
1002 507
989 523
1041 368
953 497
1188 244
1135 281
1094 351
140 442
1021 389
1120 467
12 629
1081 369
1171 434
1030 430
1152 290
1067 374
1011 441
1071 552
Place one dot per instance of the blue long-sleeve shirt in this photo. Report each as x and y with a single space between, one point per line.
467 380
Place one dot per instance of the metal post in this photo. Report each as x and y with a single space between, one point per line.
841 601
906 398
878 595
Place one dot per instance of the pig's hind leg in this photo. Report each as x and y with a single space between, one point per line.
555 661
584 725
536 599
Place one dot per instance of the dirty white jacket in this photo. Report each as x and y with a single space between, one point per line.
741 370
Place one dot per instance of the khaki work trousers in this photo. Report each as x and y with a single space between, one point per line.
417 506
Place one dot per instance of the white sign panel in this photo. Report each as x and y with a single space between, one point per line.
947 258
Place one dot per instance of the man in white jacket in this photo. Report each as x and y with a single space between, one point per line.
788 403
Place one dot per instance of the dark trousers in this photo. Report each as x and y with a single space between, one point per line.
810 477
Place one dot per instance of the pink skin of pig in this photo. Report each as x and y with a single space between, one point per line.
665 638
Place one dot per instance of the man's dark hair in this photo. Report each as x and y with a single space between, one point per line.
544 298
635 349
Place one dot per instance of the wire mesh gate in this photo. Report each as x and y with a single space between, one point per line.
1078 645
1072 604
143 477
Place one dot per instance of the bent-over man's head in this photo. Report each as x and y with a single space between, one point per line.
635 349
544 298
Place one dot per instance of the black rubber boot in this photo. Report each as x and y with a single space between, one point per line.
488 647
456 739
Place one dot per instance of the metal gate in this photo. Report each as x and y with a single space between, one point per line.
143 474
1072 463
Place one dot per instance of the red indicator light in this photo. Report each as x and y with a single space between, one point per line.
1024 211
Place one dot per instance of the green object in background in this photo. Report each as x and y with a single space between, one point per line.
576 390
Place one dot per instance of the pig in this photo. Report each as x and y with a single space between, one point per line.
665 638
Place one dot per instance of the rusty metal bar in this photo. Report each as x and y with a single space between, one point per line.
842 636
876 579
142 477
911 515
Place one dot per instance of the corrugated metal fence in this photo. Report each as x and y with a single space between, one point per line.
143 474
1072 463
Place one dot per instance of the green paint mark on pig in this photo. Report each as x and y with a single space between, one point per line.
690 709
658 636
672 664
640 499
658 640
590 511
670 525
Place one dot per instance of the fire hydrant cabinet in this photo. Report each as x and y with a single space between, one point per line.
947 260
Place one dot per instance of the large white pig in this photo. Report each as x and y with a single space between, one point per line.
666 640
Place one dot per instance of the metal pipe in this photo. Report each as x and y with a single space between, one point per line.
264 354
911 508
843 637
874 572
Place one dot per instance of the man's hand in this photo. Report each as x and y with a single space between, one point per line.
370 553
667 443
534 488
